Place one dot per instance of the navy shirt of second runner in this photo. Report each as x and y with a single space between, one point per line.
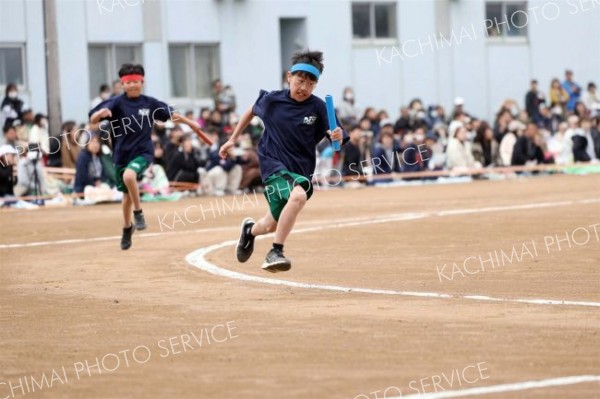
292 131
131 122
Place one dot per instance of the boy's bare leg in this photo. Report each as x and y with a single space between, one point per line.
130 180
265 225
288 216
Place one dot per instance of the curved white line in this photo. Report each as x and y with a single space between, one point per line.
198 260
518 386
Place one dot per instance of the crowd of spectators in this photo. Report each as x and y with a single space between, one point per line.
561 127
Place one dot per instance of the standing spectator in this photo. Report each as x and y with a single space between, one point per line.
586 144
507 145
591 99
459 154
347 112
89 170
103 94
533 100
117 88
8 159
485 148
224 97
69 150
572 89
559 98
527 150
39 133
11 107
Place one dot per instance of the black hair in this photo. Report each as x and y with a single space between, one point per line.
131 69
10 87
6 128
104 87
314 58
38 118
68 126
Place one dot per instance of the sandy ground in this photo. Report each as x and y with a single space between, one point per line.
65 303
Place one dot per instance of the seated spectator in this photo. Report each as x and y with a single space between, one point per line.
117 88
69 149
581 111
385 155
11 109
251 169
184 165
30 173
507 145
545 120
527 149
503 119
89 170
371 115
586 143
10 138
434 156
203 117
353 153
224 97
216 122
159 154
555 144
459 154
175 135
225 175
591 99
39 133
404 123
485 148
572 130
8 160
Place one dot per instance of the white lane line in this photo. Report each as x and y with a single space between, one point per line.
518 386
357 219
198 260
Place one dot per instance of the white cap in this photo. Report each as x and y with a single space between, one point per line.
7 149
459 101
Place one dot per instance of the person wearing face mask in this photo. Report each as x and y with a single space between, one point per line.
39 133
347 111
12 106
104 94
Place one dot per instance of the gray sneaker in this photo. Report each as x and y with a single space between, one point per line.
139 221
276 262
245 246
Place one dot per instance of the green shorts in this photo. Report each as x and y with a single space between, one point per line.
279 186
138 165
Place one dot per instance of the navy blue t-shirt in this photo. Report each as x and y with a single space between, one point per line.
292 131
132 120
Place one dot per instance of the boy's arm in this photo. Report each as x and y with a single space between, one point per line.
239 128
177 117
100 114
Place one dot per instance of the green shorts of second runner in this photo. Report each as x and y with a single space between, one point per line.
279 186
138 165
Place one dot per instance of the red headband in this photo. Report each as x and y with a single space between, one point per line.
129 78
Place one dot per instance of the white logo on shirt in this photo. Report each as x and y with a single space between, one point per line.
144 112
309 120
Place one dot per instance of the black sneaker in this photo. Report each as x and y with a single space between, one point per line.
126 238
276 262
245 246
140 222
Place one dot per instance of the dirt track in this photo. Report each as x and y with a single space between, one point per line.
65 303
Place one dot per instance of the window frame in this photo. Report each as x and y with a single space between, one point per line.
110 50
190 61
504 38
23 48
373 39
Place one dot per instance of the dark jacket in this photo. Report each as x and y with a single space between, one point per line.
183 167
88 171
7 180
580 144
526 150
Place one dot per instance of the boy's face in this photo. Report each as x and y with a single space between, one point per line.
133 88
301 87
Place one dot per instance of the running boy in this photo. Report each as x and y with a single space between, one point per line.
132 116
295 122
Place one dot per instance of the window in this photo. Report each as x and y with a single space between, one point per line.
193 68
106 60
373 20
506 19
12 65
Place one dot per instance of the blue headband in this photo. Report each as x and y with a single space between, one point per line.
306 68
